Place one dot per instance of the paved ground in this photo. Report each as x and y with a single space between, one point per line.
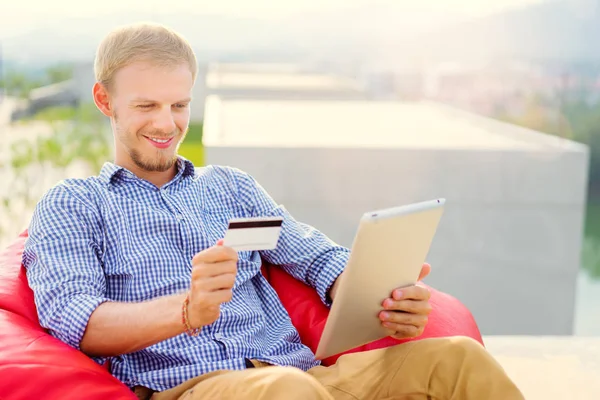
548 368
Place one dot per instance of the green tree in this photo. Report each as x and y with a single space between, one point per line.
19 84
84 139
59 73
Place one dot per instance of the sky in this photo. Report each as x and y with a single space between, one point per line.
20 16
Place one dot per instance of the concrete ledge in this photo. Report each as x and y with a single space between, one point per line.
548 368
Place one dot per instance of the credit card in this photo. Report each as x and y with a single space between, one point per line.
253 234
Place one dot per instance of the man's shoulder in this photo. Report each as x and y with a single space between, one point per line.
222 175
81 190
215 171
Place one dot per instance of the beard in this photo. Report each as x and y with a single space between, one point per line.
159 164
161 160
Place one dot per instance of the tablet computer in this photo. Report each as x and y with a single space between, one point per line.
388 252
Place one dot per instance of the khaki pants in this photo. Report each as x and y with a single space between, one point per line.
444 368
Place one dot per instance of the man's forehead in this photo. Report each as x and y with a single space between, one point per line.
146 82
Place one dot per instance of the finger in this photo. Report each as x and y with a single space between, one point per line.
414 292
408 306
417 320
425 270
215 254
403 331
215 283
220 242
218 297
204 270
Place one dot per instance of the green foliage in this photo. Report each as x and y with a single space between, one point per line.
193 152
70 142
590 256
83 139
59 73
53 114
19 84
194 134
87 113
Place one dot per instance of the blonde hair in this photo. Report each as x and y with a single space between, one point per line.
147 42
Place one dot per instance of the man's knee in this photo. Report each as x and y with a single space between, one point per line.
465 347
455 350
462 344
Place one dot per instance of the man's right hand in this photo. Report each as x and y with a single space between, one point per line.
213 275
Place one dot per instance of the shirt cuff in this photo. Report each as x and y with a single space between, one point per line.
75 318
329 275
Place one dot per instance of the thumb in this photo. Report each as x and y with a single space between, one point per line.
425 270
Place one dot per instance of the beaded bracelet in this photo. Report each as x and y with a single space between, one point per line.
184 318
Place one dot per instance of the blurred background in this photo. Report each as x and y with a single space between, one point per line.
342 106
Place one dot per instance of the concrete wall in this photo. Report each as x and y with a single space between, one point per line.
508 245
253 85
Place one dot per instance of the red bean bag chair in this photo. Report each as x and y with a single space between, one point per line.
34 365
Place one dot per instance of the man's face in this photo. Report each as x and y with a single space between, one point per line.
151 110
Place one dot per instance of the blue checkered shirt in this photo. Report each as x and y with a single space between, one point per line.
115 237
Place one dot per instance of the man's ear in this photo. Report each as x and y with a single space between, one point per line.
102 100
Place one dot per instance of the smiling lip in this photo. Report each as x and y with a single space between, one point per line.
160 145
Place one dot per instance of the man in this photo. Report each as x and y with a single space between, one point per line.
128 265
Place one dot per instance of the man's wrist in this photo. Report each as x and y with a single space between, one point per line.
189 329
176 306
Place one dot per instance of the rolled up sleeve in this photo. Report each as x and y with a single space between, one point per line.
303 251
62 258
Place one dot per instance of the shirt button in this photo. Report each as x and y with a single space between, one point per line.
218 336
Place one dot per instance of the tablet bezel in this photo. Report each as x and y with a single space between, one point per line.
353 318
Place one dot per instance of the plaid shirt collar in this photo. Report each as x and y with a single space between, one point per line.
111 171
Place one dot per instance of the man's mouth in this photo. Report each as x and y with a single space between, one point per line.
159 142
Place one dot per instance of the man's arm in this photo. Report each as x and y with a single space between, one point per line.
303 251
120 328
62 257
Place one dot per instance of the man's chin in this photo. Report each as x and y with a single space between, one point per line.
162 165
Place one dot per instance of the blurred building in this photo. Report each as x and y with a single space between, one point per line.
270 81
393 81
489 88
58 94
509 242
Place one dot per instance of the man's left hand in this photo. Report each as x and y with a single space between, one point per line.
405 313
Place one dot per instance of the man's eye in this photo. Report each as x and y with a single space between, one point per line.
181 105
144 105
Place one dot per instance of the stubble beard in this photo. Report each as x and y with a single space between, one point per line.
159 163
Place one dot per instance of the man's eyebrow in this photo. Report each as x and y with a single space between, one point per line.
141 100
144 100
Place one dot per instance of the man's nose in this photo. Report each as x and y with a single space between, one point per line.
164 121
